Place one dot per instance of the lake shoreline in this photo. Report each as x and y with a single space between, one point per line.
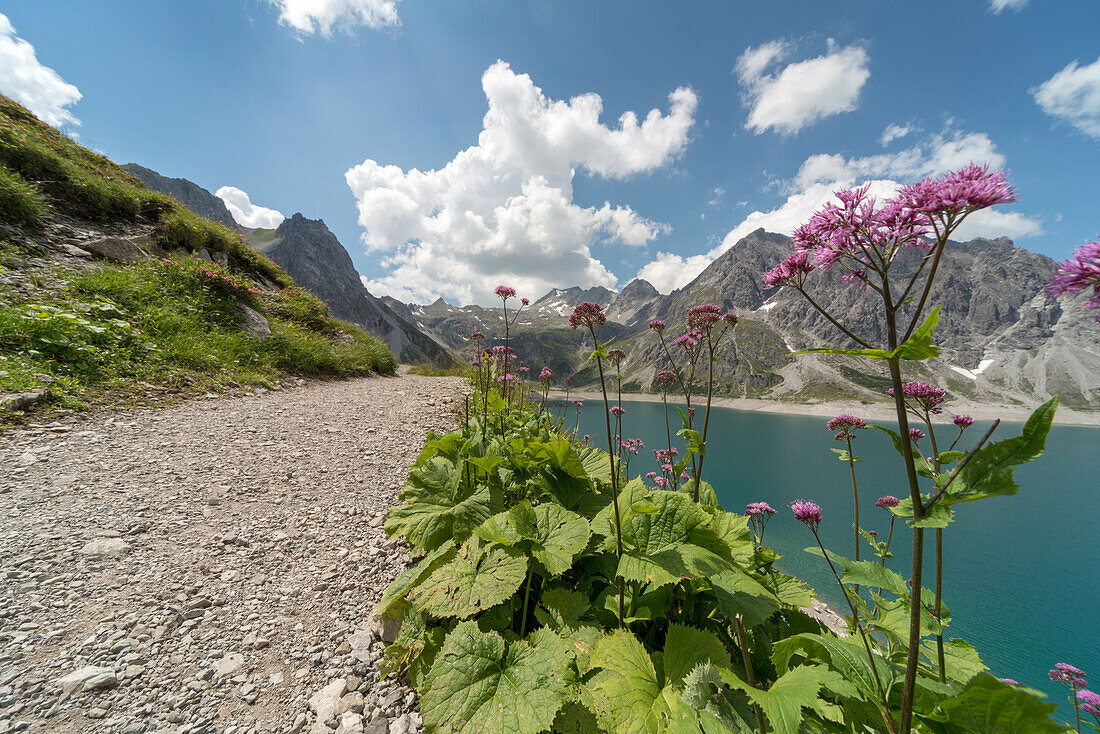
874 411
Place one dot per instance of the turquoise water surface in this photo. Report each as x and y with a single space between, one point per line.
1021 573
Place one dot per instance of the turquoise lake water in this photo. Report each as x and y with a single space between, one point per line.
1021 573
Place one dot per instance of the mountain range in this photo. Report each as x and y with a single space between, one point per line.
1004 340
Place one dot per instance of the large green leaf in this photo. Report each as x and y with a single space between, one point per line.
845 655
686 648
797 689
550 533
988 706
597 465
479 683
867 573
657 546
438 507
963 661
630 695
788 589
392 600
480 576
740 594
989 472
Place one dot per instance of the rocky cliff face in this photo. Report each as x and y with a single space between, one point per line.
188 193
312 255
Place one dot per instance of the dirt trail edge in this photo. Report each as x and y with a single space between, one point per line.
210 567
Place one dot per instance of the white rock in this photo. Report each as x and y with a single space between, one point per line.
229 664
360 645
350 723
324 702
88 678
105 548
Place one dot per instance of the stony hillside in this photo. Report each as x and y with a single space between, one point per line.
1003 339
312 255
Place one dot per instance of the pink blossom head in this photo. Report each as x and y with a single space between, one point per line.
657 325
1080 272
588 315
807 512
617 411
1070 670
688 340
927 397
844 424
1009 681
791 271
546 376
702 317
504 292
660 482
730 319
665 378
959 192
759 510
1090 701
616 355
650 475
916 434
888 501
525 301
578 404
963 421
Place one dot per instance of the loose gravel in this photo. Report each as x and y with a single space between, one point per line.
210 567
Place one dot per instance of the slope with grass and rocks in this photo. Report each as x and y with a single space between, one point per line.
311 254
112 293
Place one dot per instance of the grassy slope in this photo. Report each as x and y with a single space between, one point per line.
170 324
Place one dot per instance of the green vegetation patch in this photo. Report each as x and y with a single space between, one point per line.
167 324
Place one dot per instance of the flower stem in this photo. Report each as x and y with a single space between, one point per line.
749 675
855 496
614 470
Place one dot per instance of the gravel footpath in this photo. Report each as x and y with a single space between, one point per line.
209 567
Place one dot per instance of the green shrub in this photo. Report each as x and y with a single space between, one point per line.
301 307
20 202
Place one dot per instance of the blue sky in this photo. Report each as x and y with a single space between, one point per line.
324 107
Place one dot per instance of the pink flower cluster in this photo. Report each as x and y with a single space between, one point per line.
546 376
664 378
1078 273
844 424
616 355
807 512
756 509
887 501
588 315
858 225
963 421
925 396
504 292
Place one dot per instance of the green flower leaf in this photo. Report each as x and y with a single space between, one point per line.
658 547
846 656
550 533
740 594
917 347
392 600
478 577
438 507
479 683
784 701
629 695
988 706
990 472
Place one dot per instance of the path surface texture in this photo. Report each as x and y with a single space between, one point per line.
210 567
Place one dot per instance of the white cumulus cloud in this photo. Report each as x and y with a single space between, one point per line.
999 6
1073 94
821 175
38 88
322 16
502 211
802 92
245 213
